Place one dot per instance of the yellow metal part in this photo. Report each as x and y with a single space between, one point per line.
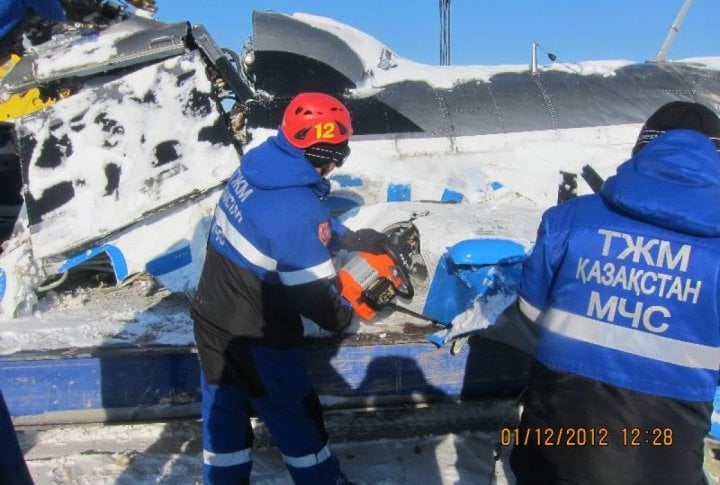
18 105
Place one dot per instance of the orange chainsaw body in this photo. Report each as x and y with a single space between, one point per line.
369 282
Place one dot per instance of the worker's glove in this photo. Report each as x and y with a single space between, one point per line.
367 240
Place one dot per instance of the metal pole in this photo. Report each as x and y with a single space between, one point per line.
448 32
674 29
533 59
444 32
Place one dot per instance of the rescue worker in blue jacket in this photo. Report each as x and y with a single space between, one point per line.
268 263
625 287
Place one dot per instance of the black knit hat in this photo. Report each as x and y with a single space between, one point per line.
321 154
679 115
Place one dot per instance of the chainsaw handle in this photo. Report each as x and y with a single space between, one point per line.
409 291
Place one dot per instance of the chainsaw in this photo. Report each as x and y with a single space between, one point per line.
371 281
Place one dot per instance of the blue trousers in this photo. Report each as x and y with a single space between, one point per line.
283 397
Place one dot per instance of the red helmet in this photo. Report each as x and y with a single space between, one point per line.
313 118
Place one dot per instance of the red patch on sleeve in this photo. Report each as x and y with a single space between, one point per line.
324 232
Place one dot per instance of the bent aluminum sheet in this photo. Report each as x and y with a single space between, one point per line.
393 97
108 156
83 54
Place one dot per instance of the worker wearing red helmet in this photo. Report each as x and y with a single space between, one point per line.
268 263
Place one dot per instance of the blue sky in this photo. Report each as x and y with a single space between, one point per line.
485 31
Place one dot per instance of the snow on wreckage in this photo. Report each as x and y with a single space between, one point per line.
111 183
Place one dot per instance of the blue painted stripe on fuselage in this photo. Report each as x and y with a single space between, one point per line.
117 259
169 262
451 196
399 193
347 180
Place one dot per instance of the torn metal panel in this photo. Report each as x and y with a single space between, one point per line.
110 155
87 53
275 32
218 57
480 102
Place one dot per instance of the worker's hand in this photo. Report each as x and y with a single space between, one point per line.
367 240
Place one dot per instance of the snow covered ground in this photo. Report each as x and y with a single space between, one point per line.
171 453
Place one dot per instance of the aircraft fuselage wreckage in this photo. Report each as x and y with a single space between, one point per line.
117 169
